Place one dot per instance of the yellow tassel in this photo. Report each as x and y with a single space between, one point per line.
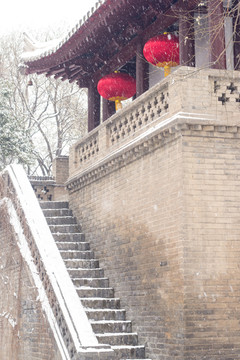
118 105
167 70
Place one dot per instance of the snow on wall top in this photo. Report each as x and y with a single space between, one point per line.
34 50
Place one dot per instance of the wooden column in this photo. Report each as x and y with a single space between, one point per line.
93 107
216 34
236 34
142 72
186 38
108 109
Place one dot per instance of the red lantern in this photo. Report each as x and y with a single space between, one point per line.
162 51
117 87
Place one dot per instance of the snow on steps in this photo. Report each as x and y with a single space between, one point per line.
108 320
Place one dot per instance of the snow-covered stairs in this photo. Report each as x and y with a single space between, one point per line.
108 320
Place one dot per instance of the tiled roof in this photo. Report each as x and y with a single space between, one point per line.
35 50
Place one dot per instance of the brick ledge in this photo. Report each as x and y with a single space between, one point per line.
154 138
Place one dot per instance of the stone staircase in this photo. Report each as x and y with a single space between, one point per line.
107 318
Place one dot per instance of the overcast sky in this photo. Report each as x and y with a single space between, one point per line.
29 14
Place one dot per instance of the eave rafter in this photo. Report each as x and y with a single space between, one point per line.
127 52
87 55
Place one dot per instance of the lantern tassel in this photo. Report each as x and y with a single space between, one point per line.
118 105
167 70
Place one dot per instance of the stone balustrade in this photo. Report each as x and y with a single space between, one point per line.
187 91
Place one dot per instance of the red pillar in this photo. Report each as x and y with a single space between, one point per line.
236 33
142 75
93 107
186 39
108 109
216 34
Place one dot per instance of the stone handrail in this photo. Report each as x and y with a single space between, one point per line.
73 328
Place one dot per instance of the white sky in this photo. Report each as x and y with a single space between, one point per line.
29 14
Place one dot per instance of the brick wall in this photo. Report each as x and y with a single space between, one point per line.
211 247
132 217
60 173
24 331
166 229
156 188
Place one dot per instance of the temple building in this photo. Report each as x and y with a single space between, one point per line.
133 251
112 36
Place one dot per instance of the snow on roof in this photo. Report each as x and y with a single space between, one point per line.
34 50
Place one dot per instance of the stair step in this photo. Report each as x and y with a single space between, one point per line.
111 326
100 303
100 282
118 338
77 254
61 220
81 263
73 245
69 237
65 228
86 292
106 314
103 310
86 273
129 352
57 212
53 204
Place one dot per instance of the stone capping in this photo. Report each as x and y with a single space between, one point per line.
70 316
153 138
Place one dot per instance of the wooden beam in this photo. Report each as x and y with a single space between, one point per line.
186 38
127 53
76 76
93 107
94 29
108 109
163 21
142 76
216 34
83 82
